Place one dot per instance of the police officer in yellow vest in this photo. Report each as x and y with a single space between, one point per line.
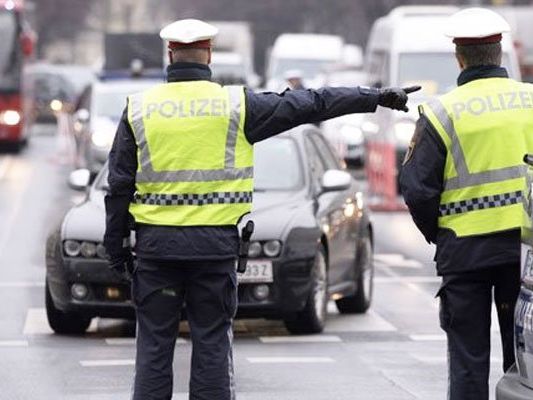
181 174
463 181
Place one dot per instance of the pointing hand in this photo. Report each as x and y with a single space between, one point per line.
396 98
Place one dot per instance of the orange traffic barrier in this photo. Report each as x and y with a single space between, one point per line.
382 176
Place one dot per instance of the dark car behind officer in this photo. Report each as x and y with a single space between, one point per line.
181 173
464 182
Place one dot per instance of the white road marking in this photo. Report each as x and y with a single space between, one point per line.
13 343
37 324
407 279
106 363
289 360
369 322
428 338
131 341
301 339
396 260
21 284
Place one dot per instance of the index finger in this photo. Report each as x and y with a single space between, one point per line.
411 89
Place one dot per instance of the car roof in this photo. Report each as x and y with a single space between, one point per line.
125 84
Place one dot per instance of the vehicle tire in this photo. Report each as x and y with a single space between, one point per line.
67 323
312 318
361 300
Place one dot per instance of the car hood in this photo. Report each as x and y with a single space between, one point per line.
272 213
87 220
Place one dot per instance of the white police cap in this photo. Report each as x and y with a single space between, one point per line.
476 24
188 31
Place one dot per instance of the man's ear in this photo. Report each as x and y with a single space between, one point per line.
170 60
460 61
209 51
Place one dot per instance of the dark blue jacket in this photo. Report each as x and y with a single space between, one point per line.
267 114
422 182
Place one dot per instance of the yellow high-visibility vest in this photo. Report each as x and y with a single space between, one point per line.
487 128
195 165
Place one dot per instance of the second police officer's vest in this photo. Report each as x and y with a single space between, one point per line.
195 165
487 128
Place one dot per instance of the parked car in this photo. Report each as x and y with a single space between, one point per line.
54 88
97 114
312 243
517 383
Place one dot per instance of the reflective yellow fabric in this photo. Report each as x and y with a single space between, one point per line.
487 128
195 163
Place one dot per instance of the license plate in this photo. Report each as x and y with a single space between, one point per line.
257 271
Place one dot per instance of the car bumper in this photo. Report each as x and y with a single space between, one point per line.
107 295
288 293
510 387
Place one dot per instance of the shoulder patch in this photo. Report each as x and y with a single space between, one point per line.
412 145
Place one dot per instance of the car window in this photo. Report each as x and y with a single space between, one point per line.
277 165
315 162
329 159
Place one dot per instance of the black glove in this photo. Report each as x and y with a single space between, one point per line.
396 98
123 266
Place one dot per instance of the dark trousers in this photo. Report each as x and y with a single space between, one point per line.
465 316
209 291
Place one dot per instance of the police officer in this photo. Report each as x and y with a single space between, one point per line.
463 181
294 79
181 172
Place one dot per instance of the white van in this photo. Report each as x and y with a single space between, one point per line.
311 54
408 47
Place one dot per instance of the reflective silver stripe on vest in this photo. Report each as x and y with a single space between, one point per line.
464 178
147 172
158 199
480 203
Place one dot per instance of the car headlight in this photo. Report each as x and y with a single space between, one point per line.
56 105
403 131
100 251
272 248
72 248
102 139
254 250
88 249
352 134
10 117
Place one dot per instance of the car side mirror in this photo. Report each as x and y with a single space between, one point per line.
335 180
82 116
79 179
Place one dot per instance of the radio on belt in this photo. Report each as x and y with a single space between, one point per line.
246 234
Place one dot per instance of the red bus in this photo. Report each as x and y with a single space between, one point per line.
16 45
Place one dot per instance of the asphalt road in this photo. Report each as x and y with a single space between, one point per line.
396 351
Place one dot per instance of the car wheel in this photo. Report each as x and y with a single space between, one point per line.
61 322
312 318
360 301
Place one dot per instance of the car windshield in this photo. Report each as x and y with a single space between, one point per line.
220 69
110 103
277 165
436 72
9 57
276 161
308 67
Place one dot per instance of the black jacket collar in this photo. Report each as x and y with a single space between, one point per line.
186 71
483 71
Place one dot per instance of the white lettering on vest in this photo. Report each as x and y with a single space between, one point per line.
184 109
498 102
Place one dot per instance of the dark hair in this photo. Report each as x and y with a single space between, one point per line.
480 54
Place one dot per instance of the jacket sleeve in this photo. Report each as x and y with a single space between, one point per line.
121 179
268 113
422 177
